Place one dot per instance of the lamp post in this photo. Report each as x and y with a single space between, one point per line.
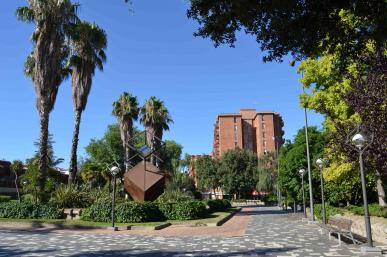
359 141
302 173
308 159
320 164
114 171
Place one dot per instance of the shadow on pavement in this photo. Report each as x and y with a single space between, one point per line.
146 253
16 252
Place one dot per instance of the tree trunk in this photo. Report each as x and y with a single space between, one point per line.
380 189
73 160
17 186
44 119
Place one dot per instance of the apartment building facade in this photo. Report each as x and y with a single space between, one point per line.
259 132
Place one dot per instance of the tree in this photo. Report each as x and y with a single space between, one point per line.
46 63
171 155
126 110
293 157
346 100
155 118
301 28
207 173
88 42
267 172
17 168
237 169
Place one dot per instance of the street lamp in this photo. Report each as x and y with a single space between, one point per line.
359 141
308 159
320 164
302 173
114 171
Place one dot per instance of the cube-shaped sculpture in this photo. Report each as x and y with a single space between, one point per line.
144 182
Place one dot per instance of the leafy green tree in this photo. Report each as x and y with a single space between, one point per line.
155 118
297 27
17 167
267 173
88 43
126 110
293 157
237 169
171 156
46 64
207 173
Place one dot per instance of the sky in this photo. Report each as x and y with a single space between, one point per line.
151 51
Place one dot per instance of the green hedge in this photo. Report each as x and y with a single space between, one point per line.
128 212
218 205
330 211
4 198
16 210
374 210
138 212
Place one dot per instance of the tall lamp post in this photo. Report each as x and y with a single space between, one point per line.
361 145
302 173
320 164
308 159
114 171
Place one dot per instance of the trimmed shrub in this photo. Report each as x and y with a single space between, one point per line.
4 198
374 210
187 210
218 205
100 211
173 197
138 212
16 210
330 211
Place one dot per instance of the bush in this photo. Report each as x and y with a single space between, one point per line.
218 205
374 210
4 198
173 197
100 211
270 199
330 211
17 210
68 196
138 212
187 210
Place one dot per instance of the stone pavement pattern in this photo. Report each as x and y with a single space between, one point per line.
269 233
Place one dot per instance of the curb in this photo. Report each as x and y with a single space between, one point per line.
225 219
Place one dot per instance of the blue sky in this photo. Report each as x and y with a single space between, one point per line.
151 51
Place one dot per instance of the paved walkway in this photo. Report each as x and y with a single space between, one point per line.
269 233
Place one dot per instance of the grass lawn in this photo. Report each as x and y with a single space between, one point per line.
212 218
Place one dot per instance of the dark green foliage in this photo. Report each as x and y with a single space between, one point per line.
207 173
270 199
70 196
16 210
4 198
173 197
374 210
186 210
100 212
138 212
330 211
218 205
236 171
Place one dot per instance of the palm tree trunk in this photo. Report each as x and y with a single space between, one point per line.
74 147
44 119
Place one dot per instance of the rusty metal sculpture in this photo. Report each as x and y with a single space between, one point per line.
144 181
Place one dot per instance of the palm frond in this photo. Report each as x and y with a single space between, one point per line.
25 14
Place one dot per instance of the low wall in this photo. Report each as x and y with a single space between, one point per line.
378 226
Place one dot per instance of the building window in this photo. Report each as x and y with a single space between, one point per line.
264 143
262 118
263 125
263 134
234 119
235 134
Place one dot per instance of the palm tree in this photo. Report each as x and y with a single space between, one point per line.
126 110
46 63
155 118
88 42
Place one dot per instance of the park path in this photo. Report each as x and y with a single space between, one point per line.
256 231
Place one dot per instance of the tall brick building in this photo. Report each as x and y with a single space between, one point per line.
259 132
